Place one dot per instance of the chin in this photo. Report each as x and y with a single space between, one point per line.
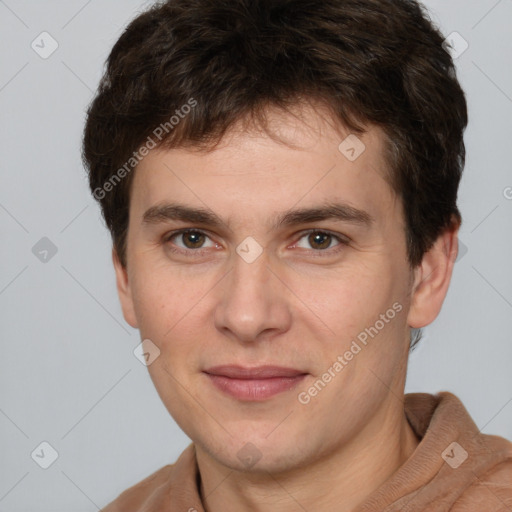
256 452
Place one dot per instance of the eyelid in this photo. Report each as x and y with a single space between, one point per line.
341 238
181 231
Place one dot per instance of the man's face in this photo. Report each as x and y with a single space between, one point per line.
250 291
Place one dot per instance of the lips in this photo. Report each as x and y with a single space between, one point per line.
254 384
260 372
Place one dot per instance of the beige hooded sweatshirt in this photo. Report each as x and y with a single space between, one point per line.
454 468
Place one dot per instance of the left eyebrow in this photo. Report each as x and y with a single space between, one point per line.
331 211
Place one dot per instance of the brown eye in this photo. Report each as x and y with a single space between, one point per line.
193 239
187 239
319 240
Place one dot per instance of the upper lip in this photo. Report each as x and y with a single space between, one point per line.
259 372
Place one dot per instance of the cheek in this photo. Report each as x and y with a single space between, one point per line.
161 299
349 299
174 309
366 311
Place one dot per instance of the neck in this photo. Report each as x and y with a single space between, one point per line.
342 480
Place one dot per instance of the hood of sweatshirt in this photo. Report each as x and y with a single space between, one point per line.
454 468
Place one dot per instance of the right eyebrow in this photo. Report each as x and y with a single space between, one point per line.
170 211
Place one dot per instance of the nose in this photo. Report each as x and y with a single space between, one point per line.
253 303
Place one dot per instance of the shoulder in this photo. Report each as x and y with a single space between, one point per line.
163 488
491 491
133 498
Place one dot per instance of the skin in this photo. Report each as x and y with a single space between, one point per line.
297 305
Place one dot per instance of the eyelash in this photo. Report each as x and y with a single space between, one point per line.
343 241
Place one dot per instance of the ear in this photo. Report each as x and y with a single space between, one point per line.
432 278
124 291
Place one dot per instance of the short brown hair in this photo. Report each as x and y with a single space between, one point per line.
378 62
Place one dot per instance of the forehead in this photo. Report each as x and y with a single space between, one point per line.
303 158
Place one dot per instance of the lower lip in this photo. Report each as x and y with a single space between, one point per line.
255 389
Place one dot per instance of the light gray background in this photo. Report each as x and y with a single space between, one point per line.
68 375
